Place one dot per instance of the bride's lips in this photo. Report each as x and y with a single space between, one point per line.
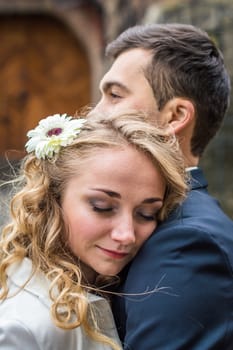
114 254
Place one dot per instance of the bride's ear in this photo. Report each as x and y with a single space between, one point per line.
179 113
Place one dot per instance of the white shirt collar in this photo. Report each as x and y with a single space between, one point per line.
191 168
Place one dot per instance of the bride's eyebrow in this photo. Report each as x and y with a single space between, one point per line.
152 200
111 194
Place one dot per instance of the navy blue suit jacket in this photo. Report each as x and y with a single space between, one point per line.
189 258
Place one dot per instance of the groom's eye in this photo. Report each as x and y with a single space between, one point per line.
114 95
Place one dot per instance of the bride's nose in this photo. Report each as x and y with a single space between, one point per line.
123 230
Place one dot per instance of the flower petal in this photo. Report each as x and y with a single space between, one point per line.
45 143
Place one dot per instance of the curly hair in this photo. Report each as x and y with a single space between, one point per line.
37 229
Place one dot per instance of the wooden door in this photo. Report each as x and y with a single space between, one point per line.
43 70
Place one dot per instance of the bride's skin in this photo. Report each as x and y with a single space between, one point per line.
111 207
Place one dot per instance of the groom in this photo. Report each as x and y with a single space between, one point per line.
175 73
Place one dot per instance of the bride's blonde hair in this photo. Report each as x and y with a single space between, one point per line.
37 228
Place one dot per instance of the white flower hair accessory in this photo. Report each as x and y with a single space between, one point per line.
51 134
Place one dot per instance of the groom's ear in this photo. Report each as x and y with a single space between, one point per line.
179 114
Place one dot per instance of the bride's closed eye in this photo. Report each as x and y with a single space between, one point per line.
101 206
